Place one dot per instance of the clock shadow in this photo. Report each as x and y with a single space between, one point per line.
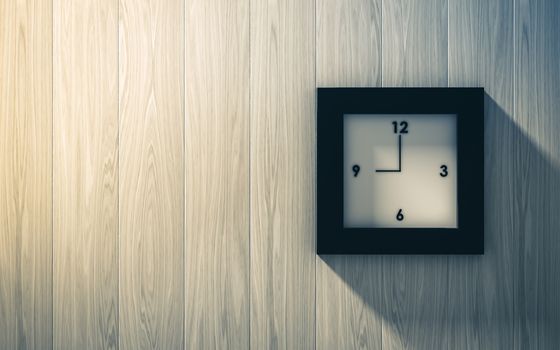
448 301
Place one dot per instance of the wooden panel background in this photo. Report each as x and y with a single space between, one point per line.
481 289
282 174
536 172
151 174
85 174
217 176
157 175
26 174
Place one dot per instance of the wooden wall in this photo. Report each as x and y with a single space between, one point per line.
157 175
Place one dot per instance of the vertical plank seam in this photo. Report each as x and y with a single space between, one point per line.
448 298
249 179
52 174
118 322
315 191
513 108
382 258
184 103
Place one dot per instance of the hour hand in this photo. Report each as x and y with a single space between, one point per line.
393 170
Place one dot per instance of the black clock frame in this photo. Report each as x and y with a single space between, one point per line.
467 104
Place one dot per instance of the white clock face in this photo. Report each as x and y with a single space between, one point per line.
400 170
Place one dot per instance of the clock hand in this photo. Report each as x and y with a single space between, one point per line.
400 151
393 170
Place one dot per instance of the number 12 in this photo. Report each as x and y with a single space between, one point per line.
404 127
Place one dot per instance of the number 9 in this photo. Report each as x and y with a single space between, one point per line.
356 169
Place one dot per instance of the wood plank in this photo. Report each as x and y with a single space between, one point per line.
25 174
414 43
348 43
85 202
151 176
282 174
416 296
349 292
481 287
217 174
537 174
349 302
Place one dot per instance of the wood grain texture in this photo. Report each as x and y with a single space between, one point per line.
536 202
282 174
151 177
349 302
25 174
414 43
217 174
349 289
348 43
197 230
481 287
415 287
85 195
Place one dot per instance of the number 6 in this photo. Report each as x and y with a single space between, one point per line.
400 216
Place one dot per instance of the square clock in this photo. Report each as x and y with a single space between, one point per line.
400 171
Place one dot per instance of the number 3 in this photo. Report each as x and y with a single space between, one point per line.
443 171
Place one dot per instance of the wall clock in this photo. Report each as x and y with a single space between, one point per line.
400 171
